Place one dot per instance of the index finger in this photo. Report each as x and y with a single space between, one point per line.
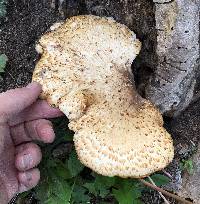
39 110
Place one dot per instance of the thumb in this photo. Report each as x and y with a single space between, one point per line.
15 100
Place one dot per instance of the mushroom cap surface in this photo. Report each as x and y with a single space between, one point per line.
85 71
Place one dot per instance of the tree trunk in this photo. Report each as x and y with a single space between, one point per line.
165 71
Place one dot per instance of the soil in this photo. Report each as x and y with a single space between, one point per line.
20 30
26 21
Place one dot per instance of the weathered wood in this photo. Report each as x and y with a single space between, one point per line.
172 85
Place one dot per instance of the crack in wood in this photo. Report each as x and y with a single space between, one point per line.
169 2
162 78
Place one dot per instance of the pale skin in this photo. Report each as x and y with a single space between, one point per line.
23 119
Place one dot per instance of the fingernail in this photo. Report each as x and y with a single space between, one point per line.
46 133
28 176
26 161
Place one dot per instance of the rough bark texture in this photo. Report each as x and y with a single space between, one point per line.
172 85
186 132
190 183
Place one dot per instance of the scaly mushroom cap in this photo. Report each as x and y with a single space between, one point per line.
85 70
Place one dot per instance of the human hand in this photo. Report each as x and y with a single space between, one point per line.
22 121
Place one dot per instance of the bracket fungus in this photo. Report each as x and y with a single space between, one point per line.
85 71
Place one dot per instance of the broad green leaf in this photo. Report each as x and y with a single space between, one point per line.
3 61
79 195
54 189
55 200
42 191
68 137
104 181
51 163
127 192
137 201
103 192
62 171
61 188
74 165
123 197
124 193
91 188
160 179
101 185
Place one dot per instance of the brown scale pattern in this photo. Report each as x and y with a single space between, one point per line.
85 70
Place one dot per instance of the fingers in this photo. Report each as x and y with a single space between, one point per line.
41 130
40 109
14 101
28 179
27 156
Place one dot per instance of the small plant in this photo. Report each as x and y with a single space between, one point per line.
3 8
187 165
3 61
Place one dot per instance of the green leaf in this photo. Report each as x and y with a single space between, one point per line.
79 195
68 137
123 197
24 194
74 165
62 134
160 179
91 188
127 192
124 193
42 192
62 171
23 197
55 200
2 8
137 201
187 165
61 188
104 181
101 185
51 163
3 61
53 189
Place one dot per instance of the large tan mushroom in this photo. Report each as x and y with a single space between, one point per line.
85 70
